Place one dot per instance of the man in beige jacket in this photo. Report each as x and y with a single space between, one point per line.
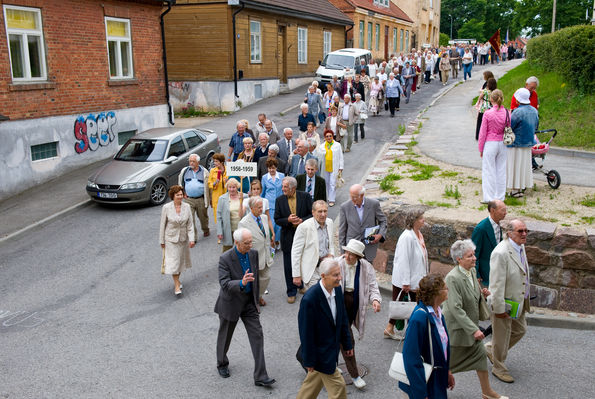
509 280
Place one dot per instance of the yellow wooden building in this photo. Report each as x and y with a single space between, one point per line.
278 44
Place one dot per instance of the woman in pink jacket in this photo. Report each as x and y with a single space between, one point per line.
492 149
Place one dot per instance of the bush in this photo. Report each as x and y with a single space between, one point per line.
569 52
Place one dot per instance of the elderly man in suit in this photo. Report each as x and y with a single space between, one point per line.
486 235
255 222
347 115
262 162
291 209
408 74
313 241
298 160
324 328
311 183
509 281
357 215
286 144
193 180
238 298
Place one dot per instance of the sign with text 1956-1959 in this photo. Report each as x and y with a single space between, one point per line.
241 168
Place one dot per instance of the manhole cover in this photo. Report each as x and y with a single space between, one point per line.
363 371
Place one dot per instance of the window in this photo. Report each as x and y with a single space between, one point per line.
255 42
369 35
192 139
401 43
119 48
406 40
377 36
44 151
431 3
384 3
25 43
394 40
124 136
327 46
258 91
362 44
176 148
302 46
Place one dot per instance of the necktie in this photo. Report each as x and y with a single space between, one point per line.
289 146
309 187
301 166
259 222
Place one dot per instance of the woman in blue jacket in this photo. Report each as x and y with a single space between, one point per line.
416 348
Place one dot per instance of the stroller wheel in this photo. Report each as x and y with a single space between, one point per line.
553 179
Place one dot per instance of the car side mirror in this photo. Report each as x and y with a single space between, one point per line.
171 159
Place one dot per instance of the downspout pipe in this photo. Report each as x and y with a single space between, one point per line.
235 51
169 107
351 27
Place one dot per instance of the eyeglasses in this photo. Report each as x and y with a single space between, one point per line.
521 231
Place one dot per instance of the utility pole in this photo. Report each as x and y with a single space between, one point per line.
451 25
554 17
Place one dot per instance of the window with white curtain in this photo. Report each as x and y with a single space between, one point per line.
119 47
255 42
302 45
327 43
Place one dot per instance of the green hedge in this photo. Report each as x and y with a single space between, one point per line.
570 52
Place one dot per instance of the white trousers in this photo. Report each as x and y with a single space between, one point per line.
331 184
493 171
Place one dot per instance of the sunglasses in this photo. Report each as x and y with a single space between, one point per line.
521 231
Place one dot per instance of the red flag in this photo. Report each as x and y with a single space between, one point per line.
495 41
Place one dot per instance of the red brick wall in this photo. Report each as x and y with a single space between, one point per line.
77 60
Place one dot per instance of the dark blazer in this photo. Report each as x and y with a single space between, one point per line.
320 336
295 161
262 167
485 241
351 227
319 186
283 152
416 347
282 212
231 301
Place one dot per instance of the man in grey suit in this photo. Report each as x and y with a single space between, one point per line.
298 161
358 214
347 115
286 144
408 74
238 298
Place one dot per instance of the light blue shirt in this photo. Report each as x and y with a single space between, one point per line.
194 183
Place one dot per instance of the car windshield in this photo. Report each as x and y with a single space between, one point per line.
338 61
139 150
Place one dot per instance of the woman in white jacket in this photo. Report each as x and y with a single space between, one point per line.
410 266
331 154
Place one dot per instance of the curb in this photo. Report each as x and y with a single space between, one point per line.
46 220
572 153
286 110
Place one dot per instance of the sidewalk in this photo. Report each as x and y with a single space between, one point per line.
48 201
451 124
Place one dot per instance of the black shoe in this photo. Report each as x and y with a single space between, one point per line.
265 383
223 371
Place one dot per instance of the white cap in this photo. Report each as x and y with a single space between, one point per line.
522 96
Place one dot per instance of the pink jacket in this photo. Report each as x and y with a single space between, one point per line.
492 126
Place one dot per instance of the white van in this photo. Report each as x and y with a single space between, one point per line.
338 61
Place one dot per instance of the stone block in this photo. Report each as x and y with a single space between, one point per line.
545 297
539 231
588 282
576 259
577 300
566 237
549 275
591 236
439 235
538 256
441 268
380 261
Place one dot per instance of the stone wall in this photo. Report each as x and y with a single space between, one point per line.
561 259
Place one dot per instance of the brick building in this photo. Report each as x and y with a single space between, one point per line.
77 78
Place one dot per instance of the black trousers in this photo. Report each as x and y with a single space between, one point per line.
355 128
427 76
291 287
478 125
393 103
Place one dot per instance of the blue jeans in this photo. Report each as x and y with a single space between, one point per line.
467 70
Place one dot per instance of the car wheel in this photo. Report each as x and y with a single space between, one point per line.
158 193
209 164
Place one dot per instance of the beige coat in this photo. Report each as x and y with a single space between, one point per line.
260 243
305 252
353 113
368 290
507 277
173 228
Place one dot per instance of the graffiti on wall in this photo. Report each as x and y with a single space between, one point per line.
94 131
179 93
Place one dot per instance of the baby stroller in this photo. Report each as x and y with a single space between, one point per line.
538 151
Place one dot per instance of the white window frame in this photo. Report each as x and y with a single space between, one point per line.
370 33
395 30
256 37
25 49
377 37
362 34
302 45
119 40
383 3
327 42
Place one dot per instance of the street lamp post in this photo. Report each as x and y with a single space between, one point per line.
450 26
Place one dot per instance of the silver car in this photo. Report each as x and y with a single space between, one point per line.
149 163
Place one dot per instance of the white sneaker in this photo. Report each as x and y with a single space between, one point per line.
359 382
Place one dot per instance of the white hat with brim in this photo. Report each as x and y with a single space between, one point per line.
522 96
355 247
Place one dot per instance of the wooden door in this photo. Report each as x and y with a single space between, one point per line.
282 53
386 42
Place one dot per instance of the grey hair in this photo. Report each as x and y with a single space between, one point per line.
233 181
274 147
312 87
357 95
312 162
194 156
263 134
290 129
291 181
304 106
391 74
238 235
460 248
253 201
248 140
326 265
347 95
318 203
412 216
311 141
240 123
532 79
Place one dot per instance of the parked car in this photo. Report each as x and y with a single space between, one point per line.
339 61
149 163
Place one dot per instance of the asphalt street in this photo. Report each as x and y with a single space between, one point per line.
85 313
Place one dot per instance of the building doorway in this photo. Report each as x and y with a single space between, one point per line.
282 53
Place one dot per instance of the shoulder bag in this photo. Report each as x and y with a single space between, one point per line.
401 310
509 136
397 366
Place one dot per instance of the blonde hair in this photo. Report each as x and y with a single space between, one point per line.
497 96
233 182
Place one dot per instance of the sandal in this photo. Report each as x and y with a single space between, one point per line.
517 194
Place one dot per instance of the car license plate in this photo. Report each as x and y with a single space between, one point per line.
107 195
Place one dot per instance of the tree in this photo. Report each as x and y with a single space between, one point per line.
443 39
472 29
535 16
501 14
462 12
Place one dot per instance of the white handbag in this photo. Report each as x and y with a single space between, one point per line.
400 310
397 366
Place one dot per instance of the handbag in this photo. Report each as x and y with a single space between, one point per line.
400 310
397 365
509 135
342 131
484 311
